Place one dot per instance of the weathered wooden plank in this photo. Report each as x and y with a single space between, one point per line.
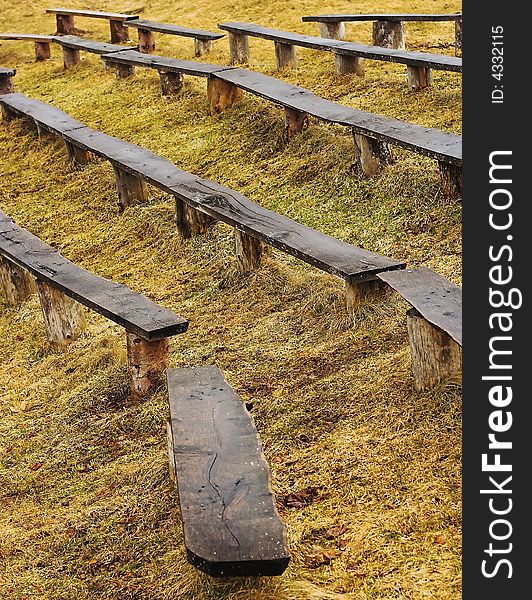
230 521
118 303
337 18
27 36
91 13
93 46
424 59
438 300
170 29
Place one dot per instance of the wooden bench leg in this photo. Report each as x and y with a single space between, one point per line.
70 57
123 71
63 317
356 293
295 122
77 156
6 87
370 155
202 47
346 64
451 178
147 362
389 34
418 78
221 94
285 55
16 283
248 252
332 31
190 221
146 41
42 51
131 189
119 32
435 355
458 37
65 24
171 83
238 48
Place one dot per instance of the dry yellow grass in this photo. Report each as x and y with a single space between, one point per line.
86 508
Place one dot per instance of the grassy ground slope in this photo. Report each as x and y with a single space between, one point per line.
86 507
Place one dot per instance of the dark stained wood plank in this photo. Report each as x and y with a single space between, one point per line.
337 18
424 59
163 63
230 522
118 303
34 37
438 300
199 34
7 72
73 41
91 13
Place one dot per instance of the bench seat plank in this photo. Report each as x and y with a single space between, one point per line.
423 59
163 63
199 34
230 522
7 72
438 300
118 303
33 37
73 41
91 13
337 18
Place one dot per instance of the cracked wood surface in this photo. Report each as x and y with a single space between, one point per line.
230 522
117 302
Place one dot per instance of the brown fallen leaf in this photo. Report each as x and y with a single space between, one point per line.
36 466
439 539
320 556
335 532
301 498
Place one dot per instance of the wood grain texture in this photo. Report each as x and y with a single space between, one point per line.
147 362
438 300
16 284
381 17
388 34
426 59
118 303
167 28
63 317
230 521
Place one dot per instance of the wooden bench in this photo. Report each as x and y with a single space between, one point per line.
42 42
72 46
199 203
388 29
202 39
371 132
348 55
434 323
65 21
63 287
6 83
230 522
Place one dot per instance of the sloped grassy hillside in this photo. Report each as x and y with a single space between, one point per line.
86 507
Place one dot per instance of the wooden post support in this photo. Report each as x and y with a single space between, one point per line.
65 24
42 51
451 178
332 31
248 252
358 292
171 83
238 48
123 71
295 122
146 41
346 64
190 221
119 32
70 57
435 355
221 94
202 47
6 87
146 361
63 317
370 155
285 55
16 283
131 189
418 78
389 34
77 156
458 38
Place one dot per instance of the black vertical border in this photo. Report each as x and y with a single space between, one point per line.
491 127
